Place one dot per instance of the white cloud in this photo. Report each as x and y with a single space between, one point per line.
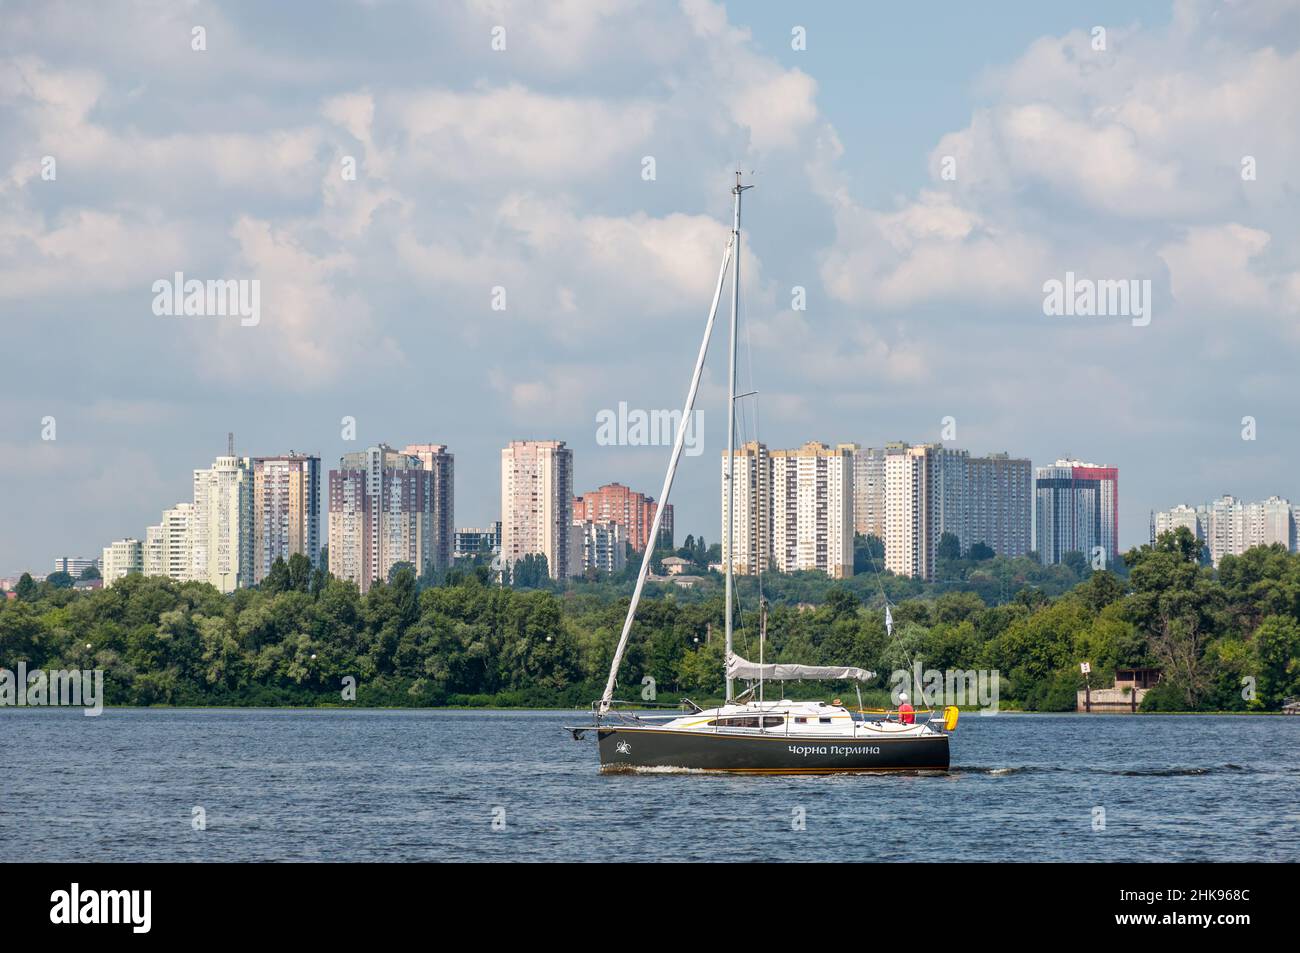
514 134
84 253
1222 269
313 327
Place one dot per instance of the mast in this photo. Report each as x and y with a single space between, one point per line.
646 557
731 423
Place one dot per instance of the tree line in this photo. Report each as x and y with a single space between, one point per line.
1225 639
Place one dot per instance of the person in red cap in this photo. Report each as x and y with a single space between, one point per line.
906 713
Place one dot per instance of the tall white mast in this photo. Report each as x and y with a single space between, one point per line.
731 423
687 408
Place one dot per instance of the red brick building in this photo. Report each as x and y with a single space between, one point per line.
635 512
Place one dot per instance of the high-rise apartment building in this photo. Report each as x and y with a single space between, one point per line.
120 559
178 528
438 460
382 512
598 545
931 490
869 489
635 512
1229 527
286 510
1076 510
1192 517
537 503
169 546
925 497
222 533
999 504
152 554
752 521
812 509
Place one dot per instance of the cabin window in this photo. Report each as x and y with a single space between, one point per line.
748 721
801 721
825 719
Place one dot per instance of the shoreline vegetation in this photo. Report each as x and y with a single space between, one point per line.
1225 640
966 710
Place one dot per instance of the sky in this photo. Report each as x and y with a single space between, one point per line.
920 171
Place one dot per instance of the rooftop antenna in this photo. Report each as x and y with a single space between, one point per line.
230 443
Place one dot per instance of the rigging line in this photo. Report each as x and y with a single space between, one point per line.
875 571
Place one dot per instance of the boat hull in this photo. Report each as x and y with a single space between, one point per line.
640 749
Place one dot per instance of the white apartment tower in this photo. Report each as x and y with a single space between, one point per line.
152 551
597 544
904 507
1229 527
812 509
926 495
121 559
178 542
752 523
1167 521
222 540
537 503
169 546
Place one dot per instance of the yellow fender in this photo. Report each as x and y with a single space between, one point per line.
950 717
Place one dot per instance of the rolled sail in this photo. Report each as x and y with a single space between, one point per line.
737 667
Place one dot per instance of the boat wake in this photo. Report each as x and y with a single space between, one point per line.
652 769
1168 772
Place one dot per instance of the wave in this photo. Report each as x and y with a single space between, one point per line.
1154 772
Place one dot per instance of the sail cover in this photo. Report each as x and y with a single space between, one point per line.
737 667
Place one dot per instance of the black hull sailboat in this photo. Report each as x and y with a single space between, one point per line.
643 748
754 736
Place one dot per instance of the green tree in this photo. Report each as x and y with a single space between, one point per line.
841 603
1076 562
300 573
1277 650
949 547
277 580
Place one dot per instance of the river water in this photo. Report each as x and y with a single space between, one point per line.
336 785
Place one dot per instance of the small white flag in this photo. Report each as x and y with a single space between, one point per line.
889 621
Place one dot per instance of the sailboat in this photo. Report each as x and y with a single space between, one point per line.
749 733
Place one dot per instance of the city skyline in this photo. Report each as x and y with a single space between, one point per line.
449 527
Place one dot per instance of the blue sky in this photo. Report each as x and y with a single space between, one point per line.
522 168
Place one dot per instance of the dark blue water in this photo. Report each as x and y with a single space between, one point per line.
424 785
